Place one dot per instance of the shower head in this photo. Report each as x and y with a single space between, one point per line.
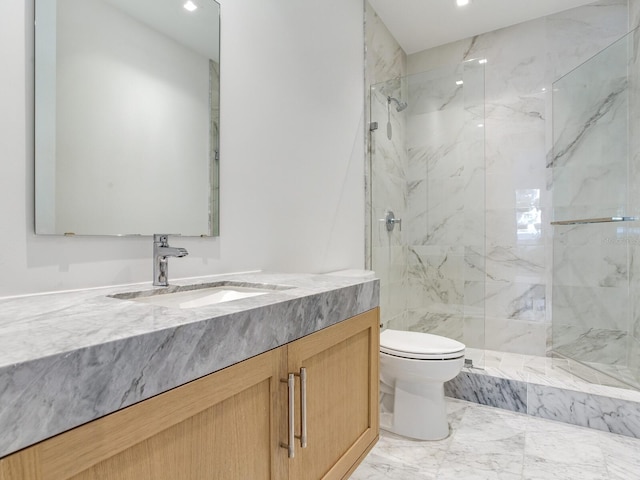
400 106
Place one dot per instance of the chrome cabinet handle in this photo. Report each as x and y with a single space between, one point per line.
291 382
303 407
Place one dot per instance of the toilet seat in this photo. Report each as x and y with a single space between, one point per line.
420 346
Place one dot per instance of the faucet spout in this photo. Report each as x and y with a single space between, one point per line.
172 251
161 253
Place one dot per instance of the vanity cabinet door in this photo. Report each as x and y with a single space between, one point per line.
341 364
223 426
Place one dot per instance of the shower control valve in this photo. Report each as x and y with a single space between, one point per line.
390 221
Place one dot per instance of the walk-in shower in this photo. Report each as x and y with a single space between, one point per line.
596 200
521 284
429 171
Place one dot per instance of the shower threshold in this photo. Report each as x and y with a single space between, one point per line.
551 388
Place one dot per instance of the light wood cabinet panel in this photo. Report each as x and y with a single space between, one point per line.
223 426
341 365
231 425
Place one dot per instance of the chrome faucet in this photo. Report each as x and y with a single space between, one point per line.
161 252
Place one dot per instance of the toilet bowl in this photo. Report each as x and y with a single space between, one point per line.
413 369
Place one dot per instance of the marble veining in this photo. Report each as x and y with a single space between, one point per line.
552 388
600 110
69 358
470 156
491 391
585 409
488 443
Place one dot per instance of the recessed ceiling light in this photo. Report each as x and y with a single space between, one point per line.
190 6
462 3
459 82
482 60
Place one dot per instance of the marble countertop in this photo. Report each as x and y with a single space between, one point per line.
71 357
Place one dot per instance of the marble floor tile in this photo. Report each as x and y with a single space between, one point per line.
489 443
621 456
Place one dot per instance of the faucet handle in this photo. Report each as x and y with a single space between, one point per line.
161 238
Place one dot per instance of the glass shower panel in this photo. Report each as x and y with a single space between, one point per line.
388 195
593 246
429 169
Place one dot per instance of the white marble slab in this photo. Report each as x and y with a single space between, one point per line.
546 388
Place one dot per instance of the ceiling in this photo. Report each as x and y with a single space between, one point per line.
421 24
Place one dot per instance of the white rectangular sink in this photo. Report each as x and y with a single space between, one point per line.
198 296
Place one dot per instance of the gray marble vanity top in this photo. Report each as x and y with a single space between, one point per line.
71 357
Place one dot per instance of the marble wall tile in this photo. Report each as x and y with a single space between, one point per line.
592 307
514 68
451 166
384 60
522 264
473 334
390 263
634 14
601 345
575 35
474 264
450 325
516 336
434 277
474 298
632 238
633 361
517 301
397 322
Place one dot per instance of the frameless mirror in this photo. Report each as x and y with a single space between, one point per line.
127 117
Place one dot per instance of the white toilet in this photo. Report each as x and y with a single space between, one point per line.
413 369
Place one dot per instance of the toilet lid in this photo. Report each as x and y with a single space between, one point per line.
419 345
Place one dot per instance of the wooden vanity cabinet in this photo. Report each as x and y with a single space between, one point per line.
341 364
233 424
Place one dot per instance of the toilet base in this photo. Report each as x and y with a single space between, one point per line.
420 411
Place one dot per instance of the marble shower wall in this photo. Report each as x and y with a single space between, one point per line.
522 63
450 279
386 167
590 169
444 230
633 232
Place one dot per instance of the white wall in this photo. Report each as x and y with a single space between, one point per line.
291 154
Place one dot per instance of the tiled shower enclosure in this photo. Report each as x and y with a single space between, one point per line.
429 171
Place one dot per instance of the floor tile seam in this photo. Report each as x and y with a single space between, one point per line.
604 457
532 420
452 436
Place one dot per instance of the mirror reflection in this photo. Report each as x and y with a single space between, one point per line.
127 117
